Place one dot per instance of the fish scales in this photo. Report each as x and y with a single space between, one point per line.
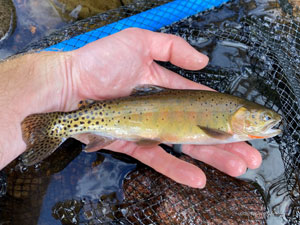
148 117
151 115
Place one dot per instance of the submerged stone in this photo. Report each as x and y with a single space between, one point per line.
7 18
76 9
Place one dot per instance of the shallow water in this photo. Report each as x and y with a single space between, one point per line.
91 178
35 19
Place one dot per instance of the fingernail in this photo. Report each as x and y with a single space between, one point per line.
203 59
201 184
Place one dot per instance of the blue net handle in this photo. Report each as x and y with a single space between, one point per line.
152 19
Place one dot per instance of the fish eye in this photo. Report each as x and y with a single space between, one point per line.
266 117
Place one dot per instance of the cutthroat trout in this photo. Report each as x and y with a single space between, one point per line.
151 115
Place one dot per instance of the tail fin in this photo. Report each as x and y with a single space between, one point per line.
36 130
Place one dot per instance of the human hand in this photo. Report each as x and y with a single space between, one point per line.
112 67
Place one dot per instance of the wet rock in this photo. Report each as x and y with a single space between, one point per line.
76 9
7 18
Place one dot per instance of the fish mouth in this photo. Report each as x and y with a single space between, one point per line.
273 129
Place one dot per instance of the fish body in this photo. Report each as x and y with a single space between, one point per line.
151 115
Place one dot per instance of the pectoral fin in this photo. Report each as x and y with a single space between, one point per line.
93 142
215 133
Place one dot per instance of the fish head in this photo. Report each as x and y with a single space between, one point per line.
255 122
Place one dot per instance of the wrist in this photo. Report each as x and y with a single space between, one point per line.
36 83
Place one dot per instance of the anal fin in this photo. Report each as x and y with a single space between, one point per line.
93 142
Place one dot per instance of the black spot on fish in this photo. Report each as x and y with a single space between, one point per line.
80 113
104 105
89 122
87 117
97 122
93 118
76 119
81 122
69 125
106 114
75 125
102 120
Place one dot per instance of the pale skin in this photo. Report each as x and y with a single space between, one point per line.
108 68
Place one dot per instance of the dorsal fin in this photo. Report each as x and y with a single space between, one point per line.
84 103
147 89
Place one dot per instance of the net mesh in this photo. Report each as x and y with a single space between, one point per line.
268 68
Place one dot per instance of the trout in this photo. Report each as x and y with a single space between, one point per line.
149 116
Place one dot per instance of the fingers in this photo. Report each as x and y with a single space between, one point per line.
164 163
166 78
219 158
250 155
167 47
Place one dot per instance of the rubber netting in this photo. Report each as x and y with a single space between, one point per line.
263 67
